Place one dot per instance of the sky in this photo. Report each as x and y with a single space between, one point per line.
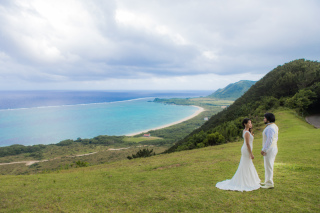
151 44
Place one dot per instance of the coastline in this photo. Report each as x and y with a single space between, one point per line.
200 110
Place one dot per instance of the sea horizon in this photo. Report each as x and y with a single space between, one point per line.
48 117
10 99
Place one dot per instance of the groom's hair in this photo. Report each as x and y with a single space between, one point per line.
270 117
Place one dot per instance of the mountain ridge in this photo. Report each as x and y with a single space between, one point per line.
233 91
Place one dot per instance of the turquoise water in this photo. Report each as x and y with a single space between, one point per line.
47 125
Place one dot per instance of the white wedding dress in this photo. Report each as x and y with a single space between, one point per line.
246 177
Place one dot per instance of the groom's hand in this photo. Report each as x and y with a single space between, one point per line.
263 153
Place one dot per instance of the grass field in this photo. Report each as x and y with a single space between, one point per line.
100 155
179 182
139 139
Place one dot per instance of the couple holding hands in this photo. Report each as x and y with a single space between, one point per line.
246 177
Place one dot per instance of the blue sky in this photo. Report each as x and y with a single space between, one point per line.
151 44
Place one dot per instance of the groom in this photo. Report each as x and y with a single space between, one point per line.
270 149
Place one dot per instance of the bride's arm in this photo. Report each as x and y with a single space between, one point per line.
247 139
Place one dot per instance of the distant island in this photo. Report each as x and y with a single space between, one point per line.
233 91
222 97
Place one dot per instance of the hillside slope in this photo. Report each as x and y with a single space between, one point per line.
295 84
179 182
233 91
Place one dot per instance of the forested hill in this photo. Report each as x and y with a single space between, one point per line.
294 85
233 91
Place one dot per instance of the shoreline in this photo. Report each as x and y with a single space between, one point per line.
200 110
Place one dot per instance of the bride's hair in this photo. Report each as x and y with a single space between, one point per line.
245 121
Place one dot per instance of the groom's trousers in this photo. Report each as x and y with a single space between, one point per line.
268 165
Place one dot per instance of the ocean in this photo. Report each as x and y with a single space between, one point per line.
48 117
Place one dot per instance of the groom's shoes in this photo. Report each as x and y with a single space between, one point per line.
267 187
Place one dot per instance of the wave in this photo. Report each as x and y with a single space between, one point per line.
70 105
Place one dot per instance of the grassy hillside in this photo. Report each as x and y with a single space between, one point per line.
233 91
294 85
179 182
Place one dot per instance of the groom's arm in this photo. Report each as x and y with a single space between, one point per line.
269 134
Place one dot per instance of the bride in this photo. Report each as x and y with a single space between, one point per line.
246 177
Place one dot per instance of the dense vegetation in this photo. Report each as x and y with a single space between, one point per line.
104 140
208 103
233 91
19 149
294 85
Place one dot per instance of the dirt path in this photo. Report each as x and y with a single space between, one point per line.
28 163
118 149
314 120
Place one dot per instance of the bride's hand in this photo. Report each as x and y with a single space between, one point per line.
252 157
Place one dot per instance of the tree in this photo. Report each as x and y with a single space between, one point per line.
302 100
214 139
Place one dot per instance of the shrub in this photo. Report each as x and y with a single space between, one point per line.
142 154
65 142
301 100
36 155
82 164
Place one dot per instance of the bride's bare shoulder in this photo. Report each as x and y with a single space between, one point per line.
245 132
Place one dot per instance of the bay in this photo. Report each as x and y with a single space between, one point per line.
117 113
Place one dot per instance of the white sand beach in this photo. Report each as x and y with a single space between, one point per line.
200 109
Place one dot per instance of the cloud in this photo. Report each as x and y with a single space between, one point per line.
65 42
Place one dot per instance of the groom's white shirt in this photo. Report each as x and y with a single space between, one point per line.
270 137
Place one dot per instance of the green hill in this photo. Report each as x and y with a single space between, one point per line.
294 85
179 182
185 181
233 91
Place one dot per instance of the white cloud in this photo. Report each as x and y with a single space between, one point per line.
199 82
69 42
